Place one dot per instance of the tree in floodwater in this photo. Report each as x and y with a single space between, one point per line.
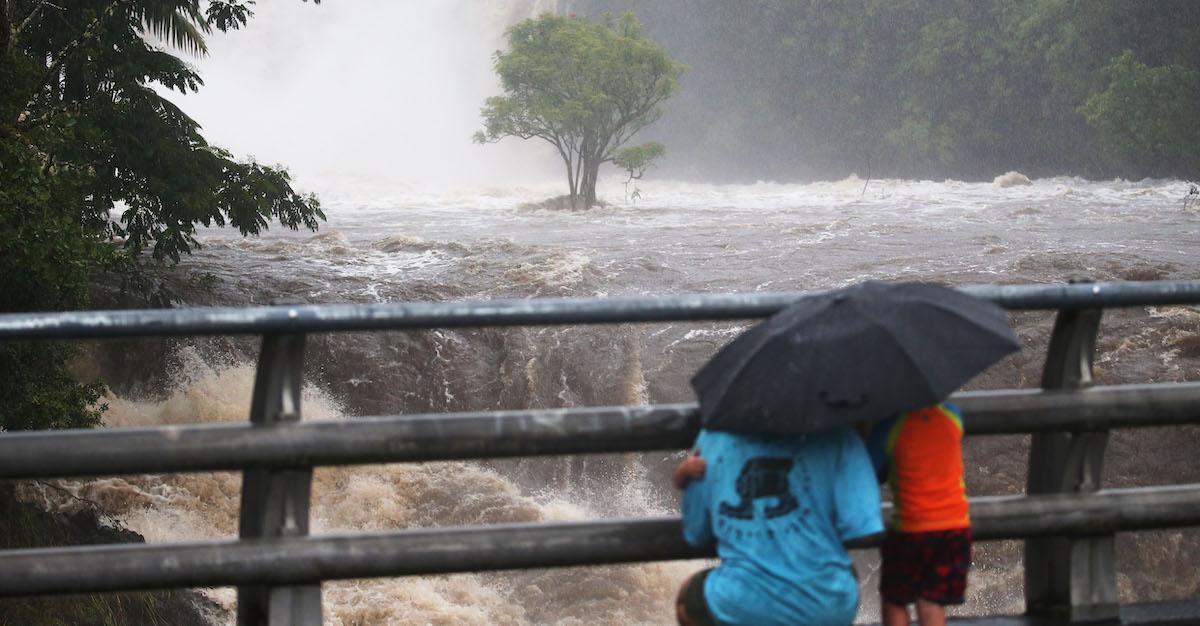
97 167
635 160
586 88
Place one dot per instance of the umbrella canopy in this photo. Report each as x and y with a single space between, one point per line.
860 353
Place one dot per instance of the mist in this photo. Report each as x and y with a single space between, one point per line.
376 92
809 146
933 89
388 93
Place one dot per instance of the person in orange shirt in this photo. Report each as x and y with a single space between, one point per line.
927 549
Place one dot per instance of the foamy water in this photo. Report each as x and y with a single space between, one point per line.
401 246
374 498
764 236
373 105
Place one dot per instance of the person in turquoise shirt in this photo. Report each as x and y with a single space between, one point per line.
779 510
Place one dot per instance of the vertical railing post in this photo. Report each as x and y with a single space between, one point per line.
1071 578
275 501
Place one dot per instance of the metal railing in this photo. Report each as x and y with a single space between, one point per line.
1067 520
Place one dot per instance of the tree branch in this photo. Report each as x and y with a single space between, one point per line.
88 33
32 14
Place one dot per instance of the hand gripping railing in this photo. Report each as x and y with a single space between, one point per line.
1067 521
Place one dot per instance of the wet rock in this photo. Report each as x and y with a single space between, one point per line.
24 525
1011 179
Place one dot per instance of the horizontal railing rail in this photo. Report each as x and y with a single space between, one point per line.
310 559
1067 520
496 434
526 312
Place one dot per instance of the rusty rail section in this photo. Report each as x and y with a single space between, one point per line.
1067 520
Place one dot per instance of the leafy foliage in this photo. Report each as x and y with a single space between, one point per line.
85 137
47 259
791 89
92 111
586 88
637 159
1147 111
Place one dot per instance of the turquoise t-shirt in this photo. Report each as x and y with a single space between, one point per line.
779 510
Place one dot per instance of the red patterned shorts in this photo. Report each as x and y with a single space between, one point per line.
930 565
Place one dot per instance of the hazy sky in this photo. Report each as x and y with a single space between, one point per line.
377 90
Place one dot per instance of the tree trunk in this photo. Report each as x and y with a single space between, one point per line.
581 174
589 199
572 184
591 173
587 188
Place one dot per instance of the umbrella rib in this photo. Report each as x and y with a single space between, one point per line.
741 371
907 356
744 366
913 363
959 312
1011 344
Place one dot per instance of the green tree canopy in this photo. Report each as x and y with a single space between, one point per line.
1147 112
637 159
84 134
792 90
83 103
586 88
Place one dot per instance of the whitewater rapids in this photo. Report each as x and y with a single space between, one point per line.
392 243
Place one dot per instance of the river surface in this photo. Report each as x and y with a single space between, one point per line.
393 244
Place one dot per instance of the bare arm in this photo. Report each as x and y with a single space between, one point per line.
689 469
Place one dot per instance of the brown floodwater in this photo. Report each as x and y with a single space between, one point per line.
386 245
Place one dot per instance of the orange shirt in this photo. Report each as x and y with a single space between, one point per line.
925 470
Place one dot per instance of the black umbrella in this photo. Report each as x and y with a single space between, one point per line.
859 353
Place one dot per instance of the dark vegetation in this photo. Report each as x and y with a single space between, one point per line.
784 89
27 526
85 134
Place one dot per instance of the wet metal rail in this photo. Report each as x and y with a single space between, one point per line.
1067 521
300 560
498 434
540 312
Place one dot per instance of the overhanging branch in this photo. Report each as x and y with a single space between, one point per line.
32 14
90 32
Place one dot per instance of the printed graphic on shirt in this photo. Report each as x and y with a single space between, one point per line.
763 477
